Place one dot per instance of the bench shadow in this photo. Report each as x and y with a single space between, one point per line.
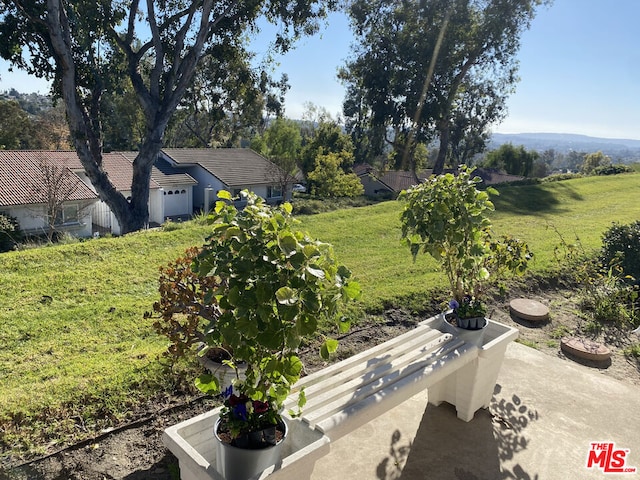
446 448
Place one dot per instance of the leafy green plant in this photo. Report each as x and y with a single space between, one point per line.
10 233
606 296
621 248
528 343
447 217
256 289
632 351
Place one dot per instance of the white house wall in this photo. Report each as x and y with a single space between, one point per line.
156 206
32 220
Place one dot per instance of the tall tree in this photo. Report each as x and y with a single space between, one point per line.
513 160
15 126
280 143
594 160
418 66
80 45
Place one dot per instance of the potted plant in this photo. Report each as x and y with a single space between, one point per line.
256 289
446 217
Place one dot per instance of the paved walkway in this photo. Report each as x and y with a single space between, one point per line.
544 415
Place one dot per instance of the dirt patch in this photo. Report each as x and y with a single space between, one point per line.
136 452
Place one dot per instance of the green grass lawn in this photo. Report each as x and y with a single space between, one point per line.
77 353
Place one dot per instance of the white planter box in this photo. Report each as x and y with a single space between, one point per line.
471 387
193 444
460 371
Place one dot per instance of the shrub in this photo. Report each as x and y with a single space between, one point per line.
612 169
10 233
621 248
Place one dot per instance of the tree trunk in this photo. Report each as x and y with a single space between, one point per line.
438 167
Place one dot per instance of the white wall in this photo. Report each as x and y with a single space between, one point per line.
32 219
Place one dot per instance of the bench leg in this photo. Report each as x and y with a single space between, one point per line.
470 387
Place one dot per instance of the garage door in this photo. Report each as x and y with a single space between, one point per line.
176 202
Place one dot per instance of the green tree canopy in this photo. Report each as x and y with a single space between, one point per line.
431 67
328 179
512 160
86 47
280 143
594 160
324 138
15 126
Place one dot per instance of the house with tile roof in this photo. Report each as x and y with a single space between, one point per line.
23 191
180 181
386 184
231 169
177 188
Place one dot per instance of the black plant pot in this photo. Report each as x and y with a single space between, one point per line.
236 462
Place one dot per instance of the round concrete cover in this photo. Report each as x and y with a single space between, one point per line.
527 309
586 349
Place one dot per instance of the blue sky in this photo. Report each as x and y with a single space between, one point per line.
579 71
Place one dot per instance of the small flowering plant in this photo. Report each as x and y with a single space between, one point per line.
249 423
257 289
469 307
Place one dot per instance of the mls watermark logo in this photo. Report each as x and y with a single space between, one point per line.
608 458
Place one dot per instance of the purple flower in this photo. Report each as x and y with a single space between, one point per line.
240 411
453 304
228 391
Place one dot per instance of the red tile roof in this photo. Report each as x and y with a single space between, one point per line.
21 177
20 174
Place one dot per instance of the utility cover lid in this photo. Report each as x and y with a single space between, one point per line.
527 309
585 349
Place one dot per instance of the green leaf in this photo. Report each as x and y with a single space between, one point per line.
311 300
225 195
483 274
219 206
328 347
352 290
288 244
344 325
307 324
310 251
208 384
286 296
315 271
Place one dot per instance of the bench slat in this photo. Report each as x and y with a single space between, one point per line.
403 388
357 376
365 355
339 394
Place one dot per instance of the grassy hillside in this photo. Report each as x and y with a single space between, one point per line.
71 316
368 239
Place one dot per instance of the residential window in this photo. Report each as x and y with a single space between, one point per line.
236 192
68 215
274 191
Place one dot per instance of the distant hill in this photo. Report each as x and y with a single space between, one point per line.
617 148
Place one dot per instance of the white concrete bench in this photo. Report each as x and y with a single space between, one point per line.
348 394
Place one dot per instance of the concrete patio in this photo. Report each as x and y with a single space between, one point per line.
544 415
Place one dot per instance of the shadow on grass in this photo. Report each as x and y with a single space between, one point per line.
446 448
535 199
